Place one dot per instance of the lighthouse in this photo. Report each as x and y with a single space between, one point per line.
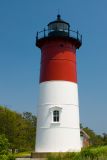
58 126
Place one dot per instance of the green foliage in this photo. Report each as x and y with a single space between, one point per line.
4 149
96 140
3 157
18 128
11 157
4 145
105 138
7 157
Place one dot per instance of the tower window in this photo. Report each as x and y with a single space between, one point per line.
55 116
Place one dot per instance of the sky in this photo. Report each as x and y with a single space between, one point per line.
20 58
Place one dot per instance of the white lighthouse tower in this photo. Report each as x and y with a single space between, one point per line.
58 127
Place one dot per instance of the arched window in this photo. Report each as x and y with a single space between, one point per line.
56 116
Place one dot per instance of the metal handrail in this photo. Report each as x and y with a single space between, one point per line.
71 33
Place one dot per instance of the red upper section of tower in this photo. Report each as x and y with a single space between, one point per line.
58 61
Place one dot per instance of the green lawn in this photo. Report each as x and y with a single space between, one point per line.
23 154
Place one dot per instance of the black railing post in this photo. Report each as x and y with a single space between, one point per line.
68 31
77 34
44 32
37 36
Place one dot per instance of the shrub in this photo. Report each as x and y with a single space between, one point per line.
3 157
4 145
7 157
11 157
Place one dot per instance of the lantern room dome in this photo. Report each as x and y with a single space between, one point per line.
58 24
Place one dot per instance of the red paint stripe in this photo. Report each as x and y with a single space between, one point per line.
58 61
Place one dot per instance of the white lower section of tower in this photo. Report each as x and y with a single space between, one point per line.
58 134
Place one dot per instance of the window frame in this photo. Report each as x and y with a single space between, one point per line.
55 108
56 116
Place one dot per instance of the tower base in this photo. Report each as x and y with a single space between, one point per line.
44 155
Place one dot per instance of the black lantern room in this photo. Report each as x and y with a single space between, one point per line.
57 29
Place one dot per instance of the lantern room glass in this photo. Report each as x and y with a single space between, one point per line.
58 26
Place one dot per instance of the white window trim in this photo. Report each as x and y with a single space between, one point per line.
55 108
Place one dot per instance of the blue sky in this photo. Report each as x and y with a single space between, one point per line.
20 59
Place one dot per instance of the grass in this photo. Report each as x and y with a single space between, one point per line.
23 154
97 153
91 153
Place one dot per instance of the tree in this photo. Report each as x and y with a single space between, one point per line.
4 145
105 138
95 140
30 128
18 128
